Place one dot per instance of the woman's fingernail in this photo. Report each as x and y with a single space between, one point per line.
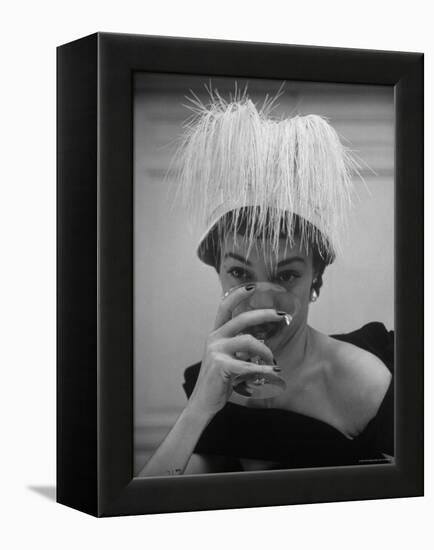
250 287
287 317
277 369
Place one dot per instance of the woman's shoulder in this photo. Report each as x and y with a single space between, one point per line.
358 375
372 337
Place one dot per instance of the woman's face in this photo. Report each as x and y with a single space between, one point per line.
283 282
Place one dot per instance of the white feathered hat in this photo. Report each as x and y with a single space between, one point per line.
291 172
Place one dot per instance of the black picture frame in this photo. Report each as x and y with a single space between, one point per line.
95 274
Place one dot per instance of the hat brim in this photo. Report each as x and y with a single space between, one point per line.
208 246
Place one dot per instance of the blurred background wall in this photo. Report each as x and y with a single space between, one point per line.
176 296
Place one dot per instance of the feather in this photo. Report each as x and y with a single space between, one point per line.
234 155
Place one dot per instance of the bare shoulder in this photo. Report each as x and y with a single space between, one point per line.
357 381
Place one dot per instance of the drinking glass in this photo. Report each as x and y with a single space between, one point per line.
264 296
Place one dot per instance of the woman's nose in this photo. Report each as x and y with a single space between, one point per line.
265 296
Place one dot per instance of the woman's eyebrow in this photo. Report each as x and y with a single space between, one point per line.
290 260
243 260
237 257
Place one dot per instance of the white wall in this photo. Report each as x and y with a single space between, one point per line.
176 296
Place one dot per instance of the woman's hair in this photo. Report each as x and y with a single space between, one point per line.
210 249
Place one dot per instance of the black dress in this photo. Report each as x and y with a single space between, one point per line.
293 440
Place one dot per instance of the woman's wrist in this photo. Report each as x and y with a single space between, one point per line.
196 415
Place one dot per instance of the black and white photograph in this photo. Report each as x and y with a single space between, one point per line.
264 289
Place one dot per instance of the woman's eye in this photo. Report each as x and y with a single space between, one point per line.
239 273
286 276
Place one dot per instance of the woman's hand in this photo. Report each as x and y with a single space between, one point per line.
221 367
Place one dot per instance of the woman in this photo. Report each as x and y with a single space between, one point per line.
275 196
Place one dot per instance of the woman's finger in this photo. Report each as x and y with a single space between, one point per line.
243 355
245 345
230 301
246 371
243 321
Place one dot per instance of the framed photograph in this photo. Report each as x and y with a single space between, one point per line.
240 274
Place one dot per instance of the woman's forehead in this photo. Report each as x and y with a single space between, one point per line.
260 249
